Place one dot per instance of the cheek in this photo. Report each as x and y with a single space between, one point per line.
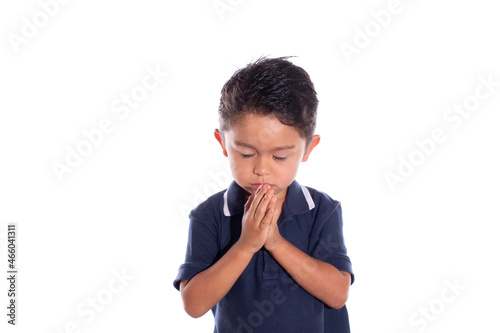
289 169
238 166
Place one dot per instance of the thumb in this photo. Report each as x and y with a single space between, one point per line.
249 202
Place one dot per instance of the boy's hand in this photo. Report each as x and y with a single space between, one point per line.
257 218
274 237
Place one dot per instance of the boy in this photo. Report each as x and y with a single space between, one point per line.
267 254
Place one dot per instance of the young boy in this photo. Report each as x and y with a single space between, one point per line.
267 254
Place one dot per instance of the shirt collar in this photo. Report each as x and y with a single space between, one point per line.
298 199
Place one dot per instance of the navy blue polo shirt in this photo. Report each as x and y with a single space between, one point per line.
265 298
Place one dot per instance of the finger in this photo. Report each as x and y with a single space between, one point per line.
259 195
267 220
249 202
264 207
273 198
265 223
276 216
271 193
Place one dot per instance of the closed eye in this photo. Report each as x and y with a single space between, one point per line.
276 158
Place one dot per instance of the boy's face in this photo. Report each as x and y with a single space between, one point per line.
262 150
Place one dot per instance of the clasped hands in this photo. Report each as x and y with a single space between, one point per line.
260 221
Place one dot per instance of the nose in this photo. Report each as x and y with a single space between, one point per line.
261 167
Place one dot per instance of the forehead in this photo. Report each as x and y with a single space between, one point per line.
263 131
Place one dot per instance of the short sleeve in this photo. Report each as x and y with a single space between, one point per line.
202 248
330 246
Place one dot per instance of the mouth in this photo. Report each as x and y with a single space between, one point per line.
256 185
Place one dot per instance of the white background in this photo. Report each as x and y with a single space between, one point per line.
123 207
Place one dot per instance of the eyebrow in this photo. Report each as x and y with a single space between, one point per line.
244 144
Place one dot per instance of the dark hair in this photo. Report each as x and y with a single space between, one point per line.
271 86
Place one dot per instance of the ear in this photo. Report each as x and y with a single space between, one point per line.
220 137
313 144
